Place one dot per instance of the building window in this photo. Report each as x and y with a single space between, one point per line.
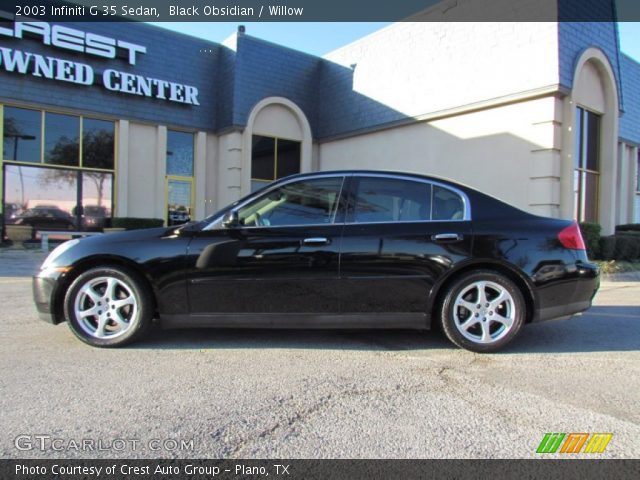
22 134
61 139
273 158
98 139
586 176
180 154
58 170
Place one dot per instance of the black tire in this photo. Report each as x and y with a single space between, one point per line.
485 331
133 320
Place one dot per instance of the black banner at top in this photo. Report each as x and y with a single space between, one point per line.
239 11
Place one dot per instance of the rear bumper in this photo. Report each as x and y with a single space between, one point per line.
586 281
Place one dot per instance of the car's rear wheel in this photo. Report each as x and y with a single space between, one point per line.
108 307
482 311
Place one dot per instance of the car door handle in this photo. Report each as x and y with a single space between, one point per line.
446 237
316 241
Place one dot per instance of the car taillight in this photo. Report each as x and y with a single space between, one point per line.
570 237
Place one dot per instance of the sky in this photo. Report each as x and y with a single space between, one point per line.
321 38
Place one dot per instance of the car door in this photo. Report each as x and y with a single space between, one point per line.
401 235
281 257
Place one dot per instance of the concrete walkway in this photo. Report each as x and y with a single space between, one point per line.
20 262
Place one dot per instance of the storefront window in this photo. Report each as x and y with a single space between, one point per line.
48 198
586 176
273 158
97 188
37 191
61 139
97 143
22 134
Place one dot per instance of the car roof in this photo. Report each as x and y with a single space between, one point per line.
503 206
390 173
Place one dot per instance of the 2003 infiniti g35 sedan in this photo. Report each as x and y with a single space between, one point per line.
349 249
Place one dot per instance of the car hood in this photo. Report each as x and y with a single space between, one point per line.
138 246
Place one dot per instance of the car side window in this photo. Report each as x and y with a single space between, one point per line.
307 202
381 199
447 204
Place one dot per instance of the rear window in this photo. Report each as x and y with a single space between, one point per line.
447 204
380 199
391 200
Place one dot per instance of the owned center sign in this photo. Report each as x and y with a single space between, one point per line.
59 69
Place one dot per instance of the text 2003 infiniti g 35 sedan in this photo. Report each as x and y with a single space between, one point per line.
350 249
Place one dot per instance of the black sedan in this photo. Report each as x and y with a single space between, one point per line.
350 249
46 217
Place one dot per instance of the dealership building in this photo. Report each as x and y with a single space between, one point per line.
131 120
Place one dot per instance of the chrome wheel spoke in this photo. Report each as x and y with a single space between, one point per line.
468 305
120 321
496 302
110 292
482 292
91 293
469 323
123 302
100 329
506 321
486 332
90 312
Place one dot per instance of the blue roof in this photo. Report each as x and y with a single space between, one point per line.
630 120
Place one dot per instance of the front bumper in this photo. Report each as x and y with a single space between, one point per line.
45 285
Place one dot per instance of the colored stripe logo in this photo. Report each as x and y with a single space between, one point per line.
574 442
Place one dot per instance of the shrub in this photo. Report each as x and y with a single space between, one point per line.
591 235
608 247
132 223
629 227
627 248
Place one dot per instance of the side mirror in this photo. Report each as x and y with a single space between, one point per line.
230 219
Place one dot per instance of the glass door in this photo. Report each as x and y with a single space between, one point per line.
179 200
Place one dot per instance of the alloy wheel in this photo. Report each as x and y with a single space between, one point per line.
484 312
105 307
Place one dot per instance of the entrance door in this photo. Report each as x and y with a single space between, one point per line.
179 200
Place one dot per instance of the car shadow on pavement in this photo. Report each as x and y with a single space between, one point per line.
601 329
226 338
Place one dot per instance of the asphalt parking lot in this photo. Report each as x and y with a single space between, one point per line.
314 394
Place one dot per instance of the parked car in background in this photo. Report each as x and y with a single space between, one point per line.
94 217
46 217
10 212
178 216
350 249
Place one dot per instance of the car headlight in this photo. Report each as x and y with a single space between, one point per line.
59 250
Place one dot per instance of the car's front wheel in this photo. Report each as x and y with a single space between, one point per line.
108 307
482 311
